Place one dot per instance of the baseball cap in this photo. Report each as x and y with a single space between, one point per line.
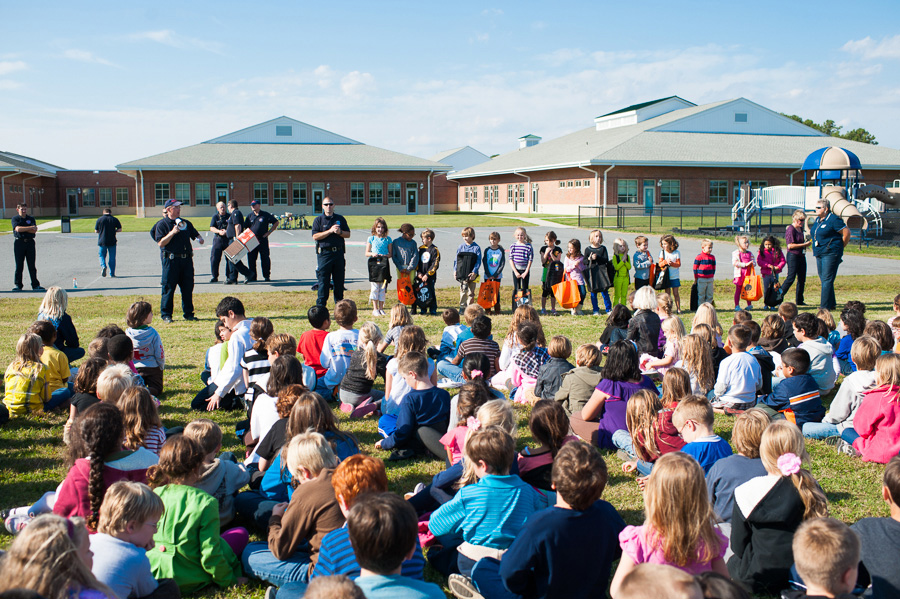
406 228
254 202
171 203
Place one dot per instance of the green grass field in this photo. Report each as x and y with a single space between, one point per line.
32 452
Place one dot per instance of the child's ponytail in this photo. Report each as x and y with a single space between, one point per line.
783 453
369 337
102 432
641 416
476 366
260 330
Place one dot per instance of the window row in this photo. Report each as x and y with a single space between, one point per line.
89 196
669 190
575 183
279 195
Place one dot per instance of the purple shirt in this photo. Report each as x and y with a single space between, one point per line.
792 235
521 254
613 417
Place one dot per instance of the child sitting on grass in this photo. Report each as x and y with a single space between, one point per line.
549 379
56 366
549 428
739 374
128 519
673 329
797 396
25 382
400 319
143 427
694 420
220 476
876 426
469 399
806 330
337 348
578 384
450 334
311 341
527 363
732 471
879 536
149 358
826 555
652 433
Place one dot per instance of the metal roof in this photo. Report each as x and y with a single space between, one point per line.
641 105
17 162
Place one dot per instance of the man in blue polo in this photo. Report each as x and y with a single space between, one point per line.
173 235
329 231
262 224
829 237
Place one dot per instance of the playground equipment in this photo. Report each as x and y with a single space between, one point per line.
829 173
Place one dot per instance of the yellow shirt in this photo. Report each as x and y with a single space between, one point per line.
56 368
24 394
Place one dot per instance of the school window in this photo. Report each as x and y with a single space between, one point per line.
562 184
279 194
718 192
161 193
474 194
758 184
376 193
121 196
357 193
670 191
496 193
510 197
299 194
183 193
394 194
568 184
105 197
88 197
261 193
578 183
201 194
521 192
627 192
586 183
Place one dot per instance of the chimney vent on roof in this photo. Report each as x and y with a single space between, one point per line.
526 141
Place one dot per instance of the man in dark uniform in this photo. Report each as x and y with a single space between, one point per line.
329 230
261 223
235 227
218 225
24 229
106 228
173 235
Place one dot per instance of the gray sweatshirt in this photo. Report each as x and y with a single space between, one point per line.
223 479
405 253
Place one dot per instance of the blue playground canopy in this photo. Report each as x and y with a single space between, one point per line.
837 158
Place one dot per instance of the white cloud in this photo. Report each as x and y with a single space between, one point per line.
355 83
491 12
480 38
168 37
11 66
888 47
562 56
86 56
324 76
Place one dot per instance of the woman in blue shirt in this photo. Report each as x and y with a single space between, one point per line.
829 236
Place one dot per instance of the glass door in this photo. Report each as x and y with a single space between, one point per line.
412 198
72 201
318 194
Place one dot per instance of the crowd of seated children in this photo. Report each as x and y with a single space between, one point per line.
549 379
479 342
286 371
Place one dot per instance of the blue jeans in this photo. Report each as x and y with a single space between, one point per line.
259 562
60 396
820 430
606 301
850 435
256 506
486 576
111 251
450 371
622 439
292 590
827 265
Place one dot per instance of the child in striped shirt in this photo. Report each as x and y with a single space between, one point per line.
521 255
704 272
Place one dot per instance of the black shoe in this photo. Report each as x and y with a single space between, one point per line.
267 279
401 454
167 319
230 282
248 281
192 318
801 304
38 288
17 289
214 280
103 272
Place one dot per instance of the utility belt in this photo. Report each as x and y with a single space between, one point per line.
172 256
327 249
24 238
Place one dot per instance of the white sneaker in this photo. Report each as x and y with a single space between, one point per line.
462 587
448 384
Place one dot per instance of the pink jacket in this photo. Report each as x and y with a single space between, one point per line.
878 423
769 261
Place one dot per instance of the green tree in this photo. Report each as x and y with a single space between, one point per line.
829 128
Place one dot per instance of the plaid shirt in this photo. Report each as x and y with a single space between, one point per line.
530 362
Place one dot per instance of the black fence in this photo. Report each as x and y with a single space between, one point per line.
665 218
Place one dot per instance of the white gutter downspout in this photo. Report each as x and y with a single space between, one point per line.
457 190
794 173
2 179
528 192
143 213
23 193
596 184
604 188
429 191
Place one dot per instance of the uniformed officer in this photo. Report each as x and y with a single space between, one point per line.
218 225
24 229
329 230
262 224
173 235
830 236
235 228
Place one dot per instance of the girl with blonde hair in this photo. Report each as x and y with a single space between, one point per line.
25 380
400 319
706 314
679 526
497 412
743 262
366 363
521 257
652 432
53 308
52 557
143 427
673 329
769 509
696 360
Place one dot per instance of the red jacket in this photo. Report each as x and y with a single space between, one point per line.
878 423
770 260
73 498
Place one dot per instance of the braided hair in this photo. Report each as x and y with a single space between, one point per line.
102 430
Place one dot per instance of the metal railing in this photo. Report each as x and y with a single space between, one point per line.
661 219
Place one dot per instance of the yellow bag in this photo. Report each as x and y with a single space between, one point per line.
567 294
751 287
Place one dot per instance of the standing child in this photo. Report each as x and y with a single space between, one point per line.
679 527
405 251
574 266
768 509
555 274
188 545
642 261
550 378
26 389
595 258
143 428
546 252
493 261
671 258
56 365
337 349
742 260
771 262
378 251
673 329
521 255
149 358
622 265
426 273
465 265
400 319
705 272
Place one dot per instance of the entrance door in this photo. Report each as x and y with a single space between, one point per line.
649 197
222 193
72 201
318 194
412 198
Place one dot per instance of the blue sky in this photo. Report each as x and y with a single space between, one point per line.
92 88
